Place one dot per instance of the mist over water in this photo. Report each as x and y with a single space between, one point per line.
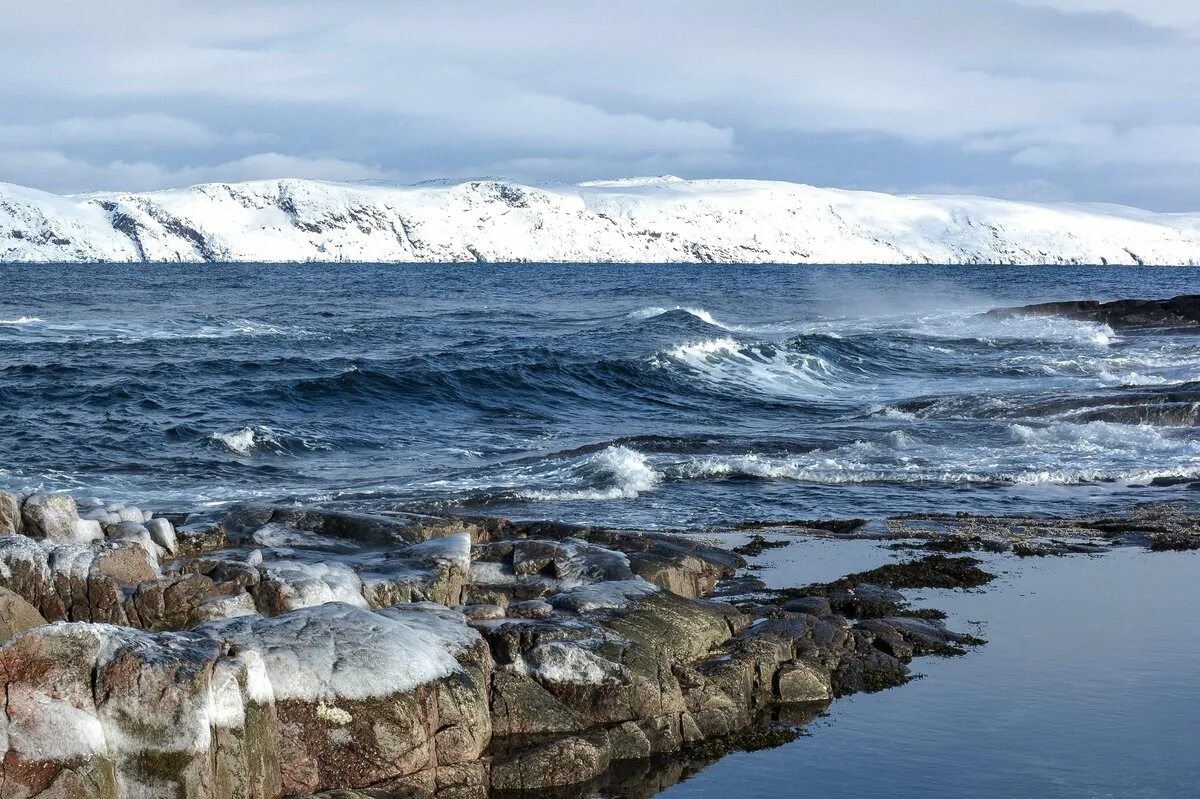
635 395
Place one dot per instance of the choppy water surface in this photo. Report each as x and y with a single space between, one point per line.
638 395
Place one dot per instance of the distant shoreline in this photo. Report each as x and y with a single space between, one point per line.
644 220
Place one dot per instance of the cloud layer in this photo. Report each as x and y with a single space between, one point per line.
1080 99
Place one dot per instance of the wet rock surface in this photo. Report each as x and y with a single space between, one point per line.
1156 526
264 651
1182 312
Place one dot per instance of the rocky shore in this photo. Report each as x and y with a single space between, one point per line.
264 651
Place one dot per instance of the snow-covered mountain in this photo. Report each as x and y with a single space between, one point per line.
635 220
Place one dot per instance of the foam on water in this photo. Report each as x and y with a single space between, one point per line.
246 440
757 366
615 472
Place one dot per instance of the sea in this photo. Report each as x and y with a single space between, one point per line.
686 398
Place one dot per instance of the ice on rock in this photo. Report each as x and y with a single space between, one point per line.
300 585
432 570
571 662
162 532
616 595
338 651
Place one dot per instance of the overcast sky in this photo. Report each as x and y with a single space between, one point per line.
1039 99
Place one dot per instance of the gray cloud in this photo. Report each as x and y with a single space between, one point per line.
1080 99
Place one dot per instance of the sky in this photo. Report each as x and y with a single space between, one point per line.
1083 100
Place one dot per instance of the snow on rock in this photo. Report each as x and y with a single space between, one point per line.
662 219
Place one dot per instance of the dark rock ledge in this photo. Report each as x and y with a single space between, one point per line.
269 651
1181 313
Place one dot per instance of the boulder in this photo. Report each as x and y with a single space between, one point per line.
162 532
563 761
50 517
798 681
108 713
431 571
366 697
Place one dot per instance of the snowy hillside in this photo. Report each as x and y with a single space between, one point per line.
635 220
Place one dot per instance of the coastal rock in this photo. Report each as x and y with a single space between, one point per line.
51 517
364 697
293 651
563 761
433 571
10 514
113 712
162 533
16 615
798 681
1182 312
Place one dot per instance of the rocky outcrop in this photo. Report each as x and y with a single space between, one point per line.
266 651
1181 313
1155 526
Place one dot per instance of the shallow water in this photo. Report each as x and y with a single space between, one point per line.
1086 688
638 395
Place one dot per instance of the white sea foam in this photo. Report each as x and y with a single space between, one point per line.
1060 453
764 367
20 321
615 472
246 440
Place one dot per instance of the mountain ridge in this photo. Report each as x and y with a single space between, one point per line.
630 220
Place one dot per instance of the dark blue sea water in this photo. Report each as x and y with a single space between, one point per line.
665 396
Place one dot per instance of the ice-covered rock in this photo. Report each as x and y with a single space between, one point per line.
363 697
435 571
162 532
102 712
50 516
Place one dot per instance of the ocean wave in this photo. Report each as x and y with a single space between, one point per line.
1058 453
616 472
765 367
260 438
21 321
1017 328
699 313
120 332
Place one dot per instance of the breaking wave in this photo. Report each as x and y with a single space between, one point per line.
699 313
764 367
616 472
258 438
